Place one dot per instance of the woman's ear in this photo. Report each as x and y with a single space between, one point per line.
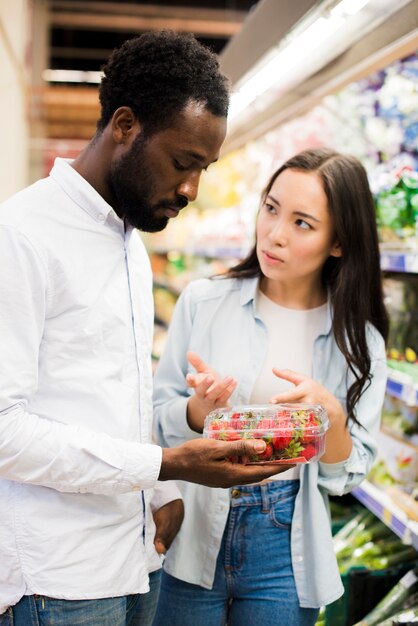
336 250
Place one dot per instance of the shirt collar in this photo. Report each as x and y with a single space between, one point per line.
249 288
80 191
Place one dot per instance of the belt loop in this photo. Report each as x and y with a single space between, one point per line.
265 499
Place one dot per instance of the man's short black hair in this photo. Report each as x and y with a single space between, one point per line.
157 74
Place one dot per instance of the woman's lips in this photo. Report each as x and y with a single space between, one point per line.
271 259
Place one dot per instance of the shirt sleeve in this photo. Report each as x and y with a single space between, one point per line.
342 477
33 449
171 393
163 493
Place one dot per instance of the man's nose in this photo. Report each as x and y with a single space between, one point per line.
189 186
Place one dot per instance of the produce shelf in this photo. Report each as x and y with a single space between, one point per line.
402 386
379 503
399 261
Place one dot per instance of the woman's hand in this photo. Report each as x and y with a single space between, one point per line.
211 391
338 439
308 390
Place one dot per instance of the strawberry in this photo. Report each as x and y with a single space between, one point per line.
228 434
282 441
293 450
232 435
309 451
267 454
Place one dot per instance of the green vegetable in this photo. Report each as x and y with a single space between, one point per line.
392 600
404 617
383 562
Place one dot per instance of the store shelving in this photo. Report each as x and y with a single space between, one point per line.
399 261
380 503
402 386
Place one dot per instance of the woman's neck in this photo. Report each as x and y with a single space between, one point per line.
299 296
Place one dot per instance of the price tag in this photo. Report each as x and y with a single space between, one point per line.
387 517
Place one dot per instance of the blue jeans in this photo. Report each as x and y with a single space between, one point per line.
254 581
133 610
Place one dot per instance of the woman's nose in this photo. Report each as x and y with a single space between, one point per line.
278 234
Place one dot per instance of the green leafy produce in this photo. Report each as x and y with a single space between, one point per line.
358 523
410 616
403 556
392 600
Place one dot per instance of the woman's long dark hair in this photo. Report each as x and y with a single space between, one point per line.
354 279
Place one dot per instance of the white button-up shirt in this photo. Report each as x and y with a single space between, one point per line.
76 323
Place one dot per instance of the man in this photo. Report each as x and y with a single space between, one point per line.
77 463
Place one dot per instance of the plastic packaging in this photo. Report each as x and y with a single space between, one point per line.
294 433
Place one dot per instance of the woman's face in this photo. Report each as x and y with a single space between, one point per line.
295 233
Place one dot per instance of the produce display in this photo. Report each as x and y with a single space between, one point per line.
401 299
367 542
391 609
373 562
294 433
397 208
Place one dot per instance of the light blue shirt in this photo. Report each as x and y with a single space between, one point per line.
218 320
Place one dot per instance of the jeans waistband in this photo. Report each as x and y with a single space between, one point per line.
264 493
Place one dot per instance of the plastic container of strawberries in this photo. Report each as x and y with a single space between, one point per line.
294 433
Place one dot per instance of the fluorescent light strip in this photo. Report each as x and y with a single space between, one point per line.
348 7
71 76
277 69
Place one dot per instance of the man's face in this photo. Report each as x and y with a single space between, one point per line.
158 176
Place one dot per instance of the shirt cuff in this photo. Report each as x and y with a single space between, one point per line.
164 492
353 465
142 465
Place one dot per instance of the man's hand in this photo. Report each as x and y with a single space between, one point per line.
168 520
206 462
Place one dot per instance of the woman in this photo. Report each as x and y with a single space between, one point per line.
301 319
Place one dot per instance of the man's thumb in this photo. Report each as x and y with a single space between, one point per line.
249 446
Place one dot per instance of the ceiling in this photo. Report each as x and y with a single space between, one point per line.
82 33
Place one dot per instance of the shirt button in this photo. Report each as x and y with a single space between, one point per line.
101 218
298 559
235 493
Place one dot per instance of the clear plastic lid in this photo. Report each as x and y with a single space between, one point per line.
292 432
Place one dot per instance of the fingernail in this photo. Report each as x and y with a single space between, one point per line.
260 445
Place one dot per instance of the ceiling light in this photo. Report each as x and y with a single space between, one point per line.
276 69
348 7
71 76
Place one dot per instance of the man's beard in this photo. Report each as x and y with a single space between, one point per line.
131 184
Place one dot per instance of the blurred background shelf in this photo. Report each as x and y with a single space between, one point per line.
382 505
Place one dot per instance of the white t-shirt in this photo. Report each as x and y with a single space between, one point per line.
291 333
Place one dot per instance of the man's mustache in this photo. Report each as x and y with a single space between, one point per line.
179 203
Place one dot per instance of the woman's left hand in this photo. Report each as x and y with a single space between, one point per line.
309 391
338 439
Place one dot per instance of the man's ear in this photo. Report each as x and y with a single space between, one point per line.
124 125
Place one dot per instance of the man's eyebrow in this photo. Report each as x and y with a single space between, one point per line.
300 213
